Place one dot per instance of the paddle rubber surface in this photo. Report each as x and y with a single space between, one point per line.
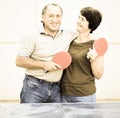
63 59
101 46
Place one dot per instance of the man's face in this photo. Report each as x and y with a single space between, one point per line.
52 19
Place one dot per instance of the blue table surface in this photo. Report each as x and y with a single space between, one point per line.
58 110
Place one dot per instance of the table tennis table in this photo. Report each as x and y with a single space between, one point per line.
60 110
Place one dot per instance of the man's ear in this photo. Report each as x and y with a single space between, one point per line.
42 18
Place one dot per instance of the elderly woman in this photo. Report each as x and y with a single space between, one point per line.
78 81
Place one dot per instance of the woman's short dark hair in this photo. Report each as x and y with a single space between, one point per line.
93 16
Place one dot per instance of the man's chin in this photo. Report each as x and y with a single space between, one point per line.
54 29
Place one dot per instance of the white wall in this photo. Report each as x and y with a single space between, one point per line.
18 17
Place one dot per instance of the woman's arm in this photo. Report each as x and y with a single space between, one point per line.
97 66
97 63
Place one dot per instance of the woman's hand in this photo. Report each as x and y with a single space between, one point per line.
92 54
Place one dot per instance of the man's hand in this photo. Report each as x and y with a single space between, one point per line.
50 66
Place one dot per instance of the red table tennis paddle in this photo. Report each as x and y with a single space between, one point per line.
101 46
63 59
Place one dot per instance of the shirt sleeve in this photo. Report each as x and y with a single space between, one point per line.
27 46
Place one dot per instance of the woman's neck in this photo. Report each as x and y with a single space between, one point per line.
83 38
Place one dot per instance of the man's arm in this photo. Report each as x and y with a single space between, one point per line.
29 63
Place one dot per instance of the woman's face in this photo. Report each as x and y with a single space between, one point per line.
82 24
